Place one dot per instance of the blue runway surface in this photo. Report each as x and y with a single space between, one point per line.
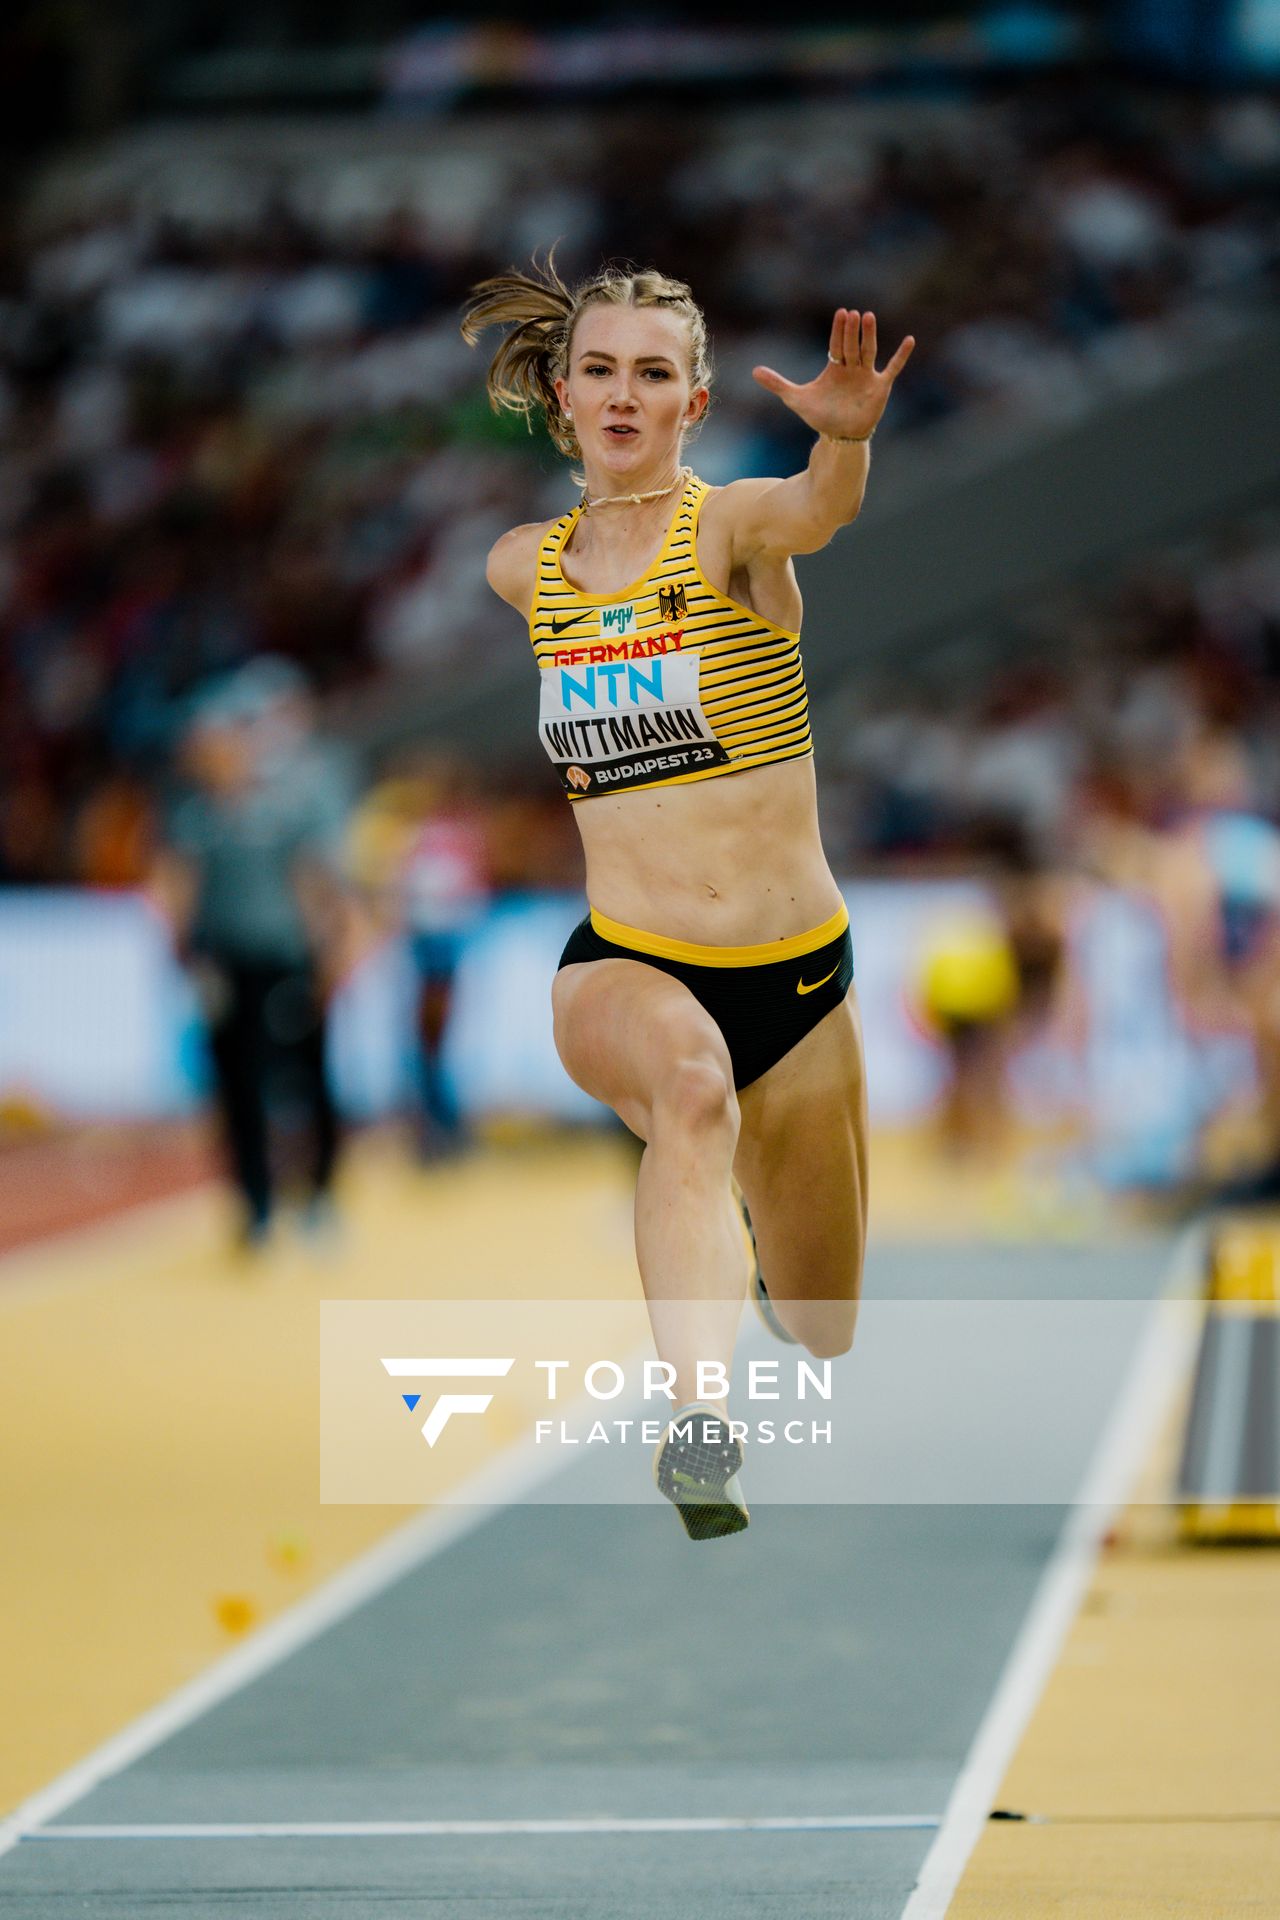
578 1664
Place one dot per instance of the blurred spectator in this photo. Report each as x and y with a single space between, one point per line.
421 847
445 882
967 993
1234 852
251 873
236 414
114 837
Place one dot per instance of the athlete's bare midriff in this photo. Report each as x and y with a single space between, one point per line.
732 861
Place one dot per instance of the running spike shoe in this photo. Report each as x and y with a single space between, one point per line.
764 1307
696 1468
759 1293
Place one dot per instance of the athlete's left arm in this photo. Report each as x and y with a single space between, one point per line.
799 515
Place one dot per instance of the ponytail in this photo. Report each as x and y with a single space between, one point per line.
541 313
539 310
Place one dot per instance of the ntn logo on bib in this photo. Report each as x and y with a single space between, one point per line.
612 684
618 686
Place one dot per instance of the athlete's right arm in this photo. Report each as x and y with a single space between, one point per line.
512 566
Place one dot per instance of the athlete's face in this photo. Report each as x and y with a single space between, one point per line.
628 393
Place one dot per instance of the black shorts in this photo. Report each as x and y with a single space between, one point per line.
764 999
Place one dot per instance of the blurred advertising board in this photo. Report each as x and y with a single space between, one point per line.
98 1019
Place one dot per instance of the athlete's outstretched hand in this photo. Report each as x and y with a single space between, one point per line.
848 396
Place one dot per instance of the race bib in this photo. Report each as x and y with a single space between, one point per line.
626 723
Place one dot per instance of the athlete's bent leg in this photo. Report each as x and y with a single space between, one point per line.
636 1039
802 1165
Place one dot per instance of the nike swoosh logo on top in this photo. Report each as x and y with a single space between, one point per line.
562 626
802 988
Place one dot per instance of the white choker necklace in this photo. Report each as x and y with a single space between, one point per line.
636 499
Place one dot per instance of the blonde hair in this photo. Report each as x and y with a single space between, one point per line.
542 312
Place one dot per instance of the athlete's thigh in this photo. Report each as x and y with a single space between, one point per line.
622 1027
802 1162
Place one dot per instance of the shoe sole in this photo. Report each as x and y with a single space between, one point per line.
700 1479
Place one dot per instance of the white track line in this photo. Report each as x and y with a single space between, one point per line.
499 1484
431 1829
1162 1359
1161 1365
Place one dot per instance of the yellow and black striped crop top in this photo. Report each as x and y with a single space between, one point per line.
667 680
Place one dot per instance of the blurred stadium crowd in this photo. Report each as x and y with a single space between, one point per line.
237 417
1122 685
248 477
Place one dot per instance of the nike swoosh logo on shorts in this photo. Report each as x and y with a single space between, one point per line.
802 988
562 626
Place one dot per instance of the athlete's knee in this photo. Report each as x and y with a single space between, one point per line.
830 1343
696 1093
825 1328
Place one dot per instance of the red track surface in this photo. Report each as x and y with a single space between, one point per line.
73 1179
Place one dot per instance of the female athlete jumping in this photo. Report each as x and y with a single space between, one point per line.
707 998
